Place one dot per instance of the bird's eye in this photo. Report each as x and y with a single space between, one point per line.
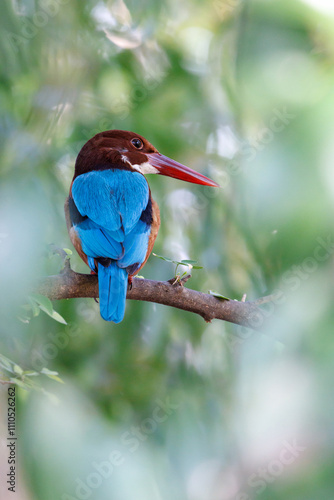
137 143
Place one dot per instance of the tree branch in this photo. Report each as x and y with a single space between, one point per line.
69 284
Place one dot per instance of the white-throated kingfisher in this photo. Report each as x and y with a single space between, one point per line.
111 216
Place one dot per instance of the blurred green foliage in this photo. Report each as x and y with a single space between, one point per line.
164 406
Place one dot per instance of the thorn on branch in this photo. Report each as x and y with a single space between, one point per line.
58 251
177 280
207 318
67 266
265 300
65 257
185 279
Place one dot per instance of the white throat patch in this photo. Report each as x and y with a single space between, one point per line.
145 168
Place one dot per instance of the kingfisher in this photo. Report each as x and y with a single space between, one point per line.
111 216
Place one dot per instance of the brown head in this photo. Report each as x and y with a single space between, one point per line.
130 151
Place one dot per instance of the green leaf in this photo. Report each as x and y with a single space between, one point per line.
18 382
51 374
164 258
46 371
68 251
30 373
18 369
34 307
57 379
184 262
45 305
218 295
24 319
6 363
57 317
44 302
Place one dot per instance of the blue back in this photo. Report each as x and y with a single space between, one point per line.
113 202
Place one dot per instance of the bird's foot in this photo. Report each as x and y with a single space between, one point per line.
93 273
130 279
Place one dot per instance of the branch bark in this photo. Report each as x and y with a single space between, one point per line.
69 284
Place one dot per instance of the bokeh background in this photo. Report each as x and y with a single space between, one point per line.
163 405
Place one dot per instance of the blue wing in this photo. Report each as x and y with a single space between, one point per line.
111 198
111 203
99 242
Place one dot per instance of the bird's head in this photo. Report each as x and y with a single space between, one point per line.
130 151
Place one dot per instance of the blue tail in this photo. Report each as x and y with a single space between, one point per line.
113 284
